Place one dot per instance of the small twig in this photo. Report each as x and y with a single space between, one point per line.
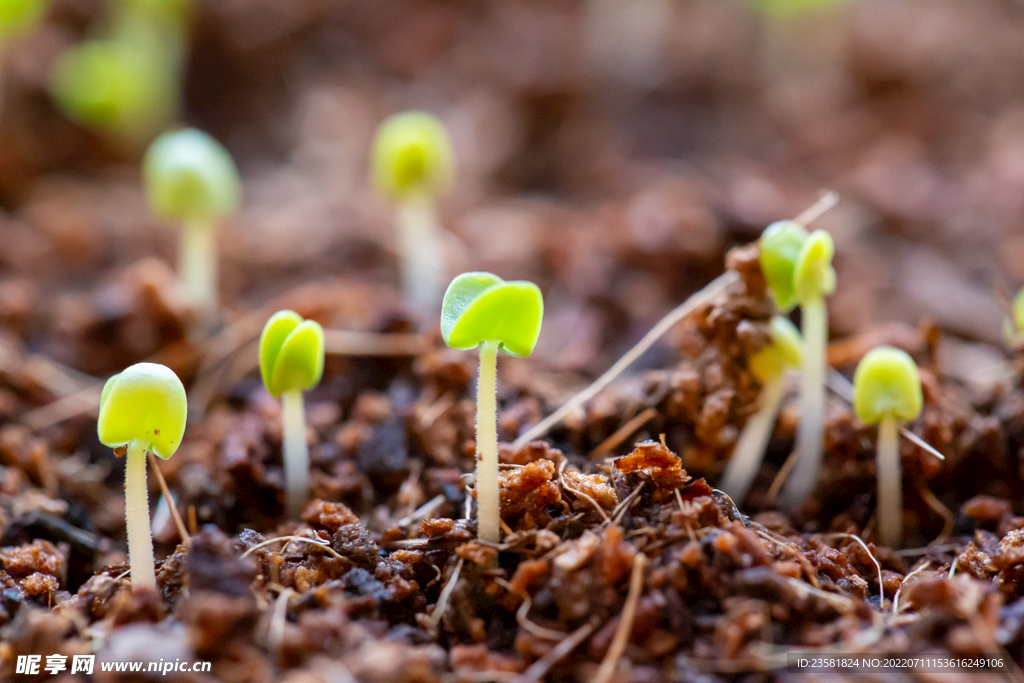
781 477
702 297
323 546
896 598
623 432
625 628
948 519
878 565
524 610
540 668
581 494
842 603
422 511
620 510
171 505
824 203
446 594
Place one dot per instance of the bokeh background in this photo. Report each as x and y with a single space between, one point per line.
610 151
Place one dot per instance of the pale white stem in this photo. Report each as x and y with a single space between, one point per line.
811 431
487 495
296 452
749 451
889 508
422 256
136 511
197 263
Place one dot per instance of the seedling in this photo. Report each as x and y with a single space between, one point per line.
141 409
813 279
769 365
481 309
191 178
887 391
292 361
413 165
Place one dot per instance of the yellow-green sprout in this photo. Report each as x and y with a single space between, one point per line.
190 178
482 310
813 279
413 164
144 409
769 365
292 361
780 246
887 392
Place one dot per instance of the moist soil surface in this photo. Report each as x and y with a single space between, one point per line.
621 187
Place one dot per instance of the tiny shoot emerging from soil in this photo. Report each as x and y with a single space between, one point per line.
481 309
769 365
413 164
887 391
141 409
292 361
813 279
190 178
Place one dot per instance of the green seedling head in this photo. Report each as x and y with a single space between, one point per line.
291 353
412 156
784 351
1018 310
18 16
189 176
145 403
887 383
481 307
813 276
780 246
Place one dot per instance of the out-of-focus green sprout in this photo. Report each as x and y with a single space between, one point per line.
482 310
813 279
19 16
780 245
1013 326
126 82
190 178
143 409
791 8
413 165
887 391
769 365
292 361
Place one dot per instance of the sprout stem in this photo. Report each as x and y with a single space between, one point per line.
487 494
197 264
812 405
889 508
296 451
422 256
749 451
136 509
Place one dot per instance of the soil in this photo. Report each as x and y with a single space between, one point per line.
622 163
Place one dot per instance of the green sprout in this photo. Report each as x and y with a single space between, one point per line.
413 164
1013 326
144 409
292 361
769 365
887 391
481 309
813 278
125 80
191 178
